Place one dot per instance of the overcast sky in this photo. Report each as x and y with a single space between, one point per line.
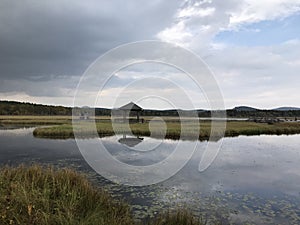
252 47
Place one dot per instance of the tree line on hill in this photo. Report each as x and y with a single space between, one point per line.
20 108
262 113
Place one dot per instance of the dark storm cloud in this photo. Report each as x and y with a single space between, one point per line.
43 38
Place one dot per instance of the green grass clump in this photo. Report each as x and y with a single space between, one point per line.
36 195
63 131
179 217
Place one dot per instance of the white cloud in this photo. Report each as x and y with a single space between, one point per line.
178 34
253 11
192 11
196 23
264 76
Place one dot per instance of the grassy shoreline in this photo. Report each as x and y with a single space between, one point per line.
34 120
60 127
38 195
234 128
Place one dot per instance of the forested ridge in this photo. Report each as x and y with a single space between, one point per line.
24 108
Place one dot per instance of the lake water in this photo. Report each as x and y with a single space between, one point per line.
254 179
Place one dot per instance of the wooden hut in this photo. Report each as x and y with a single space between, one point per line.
131 107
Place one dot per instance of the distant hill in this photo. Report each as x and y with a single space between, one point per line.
244 108
286 109
250 112
23 108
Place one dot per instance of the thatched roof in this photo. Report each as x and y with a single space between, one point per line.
131 106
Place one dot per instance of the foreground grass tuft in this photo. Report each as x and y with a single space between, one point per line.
181 216
44 196
35 195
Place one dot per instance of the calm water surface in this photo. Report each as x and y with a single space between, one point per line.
253 179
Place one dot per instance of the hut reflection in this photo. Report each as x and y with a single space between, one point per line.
130 141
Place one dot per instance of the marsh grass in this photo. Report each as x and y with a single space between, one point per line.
35 120
36 195
233 128
61 128
251 128
178 217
